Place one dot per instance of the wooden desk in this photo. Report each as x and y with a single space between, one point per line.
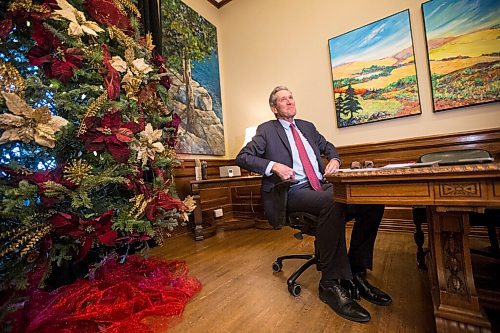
238 197
450 193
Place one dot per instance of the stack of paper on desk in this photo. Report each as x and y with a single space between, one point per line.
356 170
411 165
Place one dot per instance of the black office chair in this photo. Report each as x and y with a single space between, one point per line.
305 223
491 217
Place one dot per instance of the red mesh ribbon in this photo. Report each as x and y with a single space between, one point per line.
118 300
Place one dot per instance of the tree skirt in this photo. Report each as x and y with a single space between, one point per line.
140 295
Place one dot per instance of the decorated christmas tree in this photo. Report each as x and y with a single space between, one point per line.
86 137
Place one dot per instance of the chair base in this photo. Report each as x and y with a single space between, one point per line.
293 287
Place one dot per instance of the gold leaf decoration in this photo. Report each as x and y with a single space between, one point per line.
92 111
11 80
149 42
122 4
140 204
27 6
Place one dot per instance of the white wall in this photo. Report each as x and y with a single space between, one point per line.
264 43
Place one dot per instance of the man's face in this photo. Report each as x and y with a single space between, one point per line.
285 105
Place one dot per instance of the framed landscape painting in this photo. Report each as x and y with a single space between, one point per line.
190 49
463 44
373 70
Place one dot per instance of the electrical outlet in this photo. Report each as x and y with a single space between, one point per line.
218 212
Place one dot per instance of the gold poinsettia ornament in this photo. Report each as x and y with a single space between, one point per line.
136 70
27 124
190 204
78 24
141 66
119 64
148 144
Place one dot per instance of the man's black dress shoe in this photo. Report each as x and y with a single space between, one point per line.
369 292
338 299
351 288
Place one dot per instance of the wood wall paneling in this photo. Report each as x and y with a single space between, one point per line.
381 153
407 150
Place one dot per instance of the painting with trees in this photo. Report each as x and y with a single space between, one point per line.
463 43
190 49
374 74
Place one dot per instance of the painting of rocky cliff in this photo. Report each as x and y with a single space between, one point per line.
190 49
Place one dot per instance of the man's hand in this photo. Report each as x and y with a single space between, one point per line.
283 171
332 166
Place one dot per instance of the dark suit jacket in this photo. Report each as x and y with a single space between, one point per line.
270 143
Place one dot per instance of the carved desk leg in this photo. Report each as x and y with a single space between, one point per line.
419 217
198 219
456 304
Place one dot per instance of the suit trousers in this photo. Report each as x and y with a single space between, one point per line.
335 261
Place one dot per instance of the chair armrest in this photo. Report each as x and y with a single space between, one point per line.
284 185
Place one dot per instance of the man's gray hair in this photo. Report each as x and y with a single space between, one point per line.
272 97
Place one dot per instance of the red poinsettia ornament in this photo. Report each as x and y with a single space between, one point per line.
110 134
106 12
5 27
97 230
162 201
159 61
111 75
41 179
137 184
174 124
18 12
56 61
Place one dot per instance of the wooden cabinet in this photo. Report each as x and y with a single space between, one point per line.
237 197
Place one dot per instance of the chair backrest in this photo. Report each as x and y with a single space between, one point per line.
461 156
302 221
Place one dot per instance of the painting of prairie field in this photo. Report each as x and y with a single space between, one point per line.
373 70
463 43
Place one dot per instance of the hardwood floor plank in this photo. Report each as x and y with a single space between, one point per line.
242 294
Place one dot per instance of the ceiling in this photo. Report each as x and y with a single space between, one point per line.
218 3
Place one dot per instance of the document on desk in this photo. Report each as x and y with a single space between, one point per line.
411 165
357 170
396 166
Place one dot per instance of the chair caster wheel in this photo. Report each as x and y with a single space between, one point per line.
294 289
277 266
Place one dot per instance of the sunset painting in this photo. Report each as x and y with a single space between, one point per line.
374 75
463 43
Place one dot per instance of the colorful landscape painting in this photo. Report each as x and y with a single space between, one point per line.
190 49
463 42
374 75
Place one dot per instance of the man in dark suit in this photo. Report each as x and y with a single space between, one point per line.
289 148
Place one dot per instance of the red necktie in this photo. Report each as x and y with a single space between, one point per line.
306 163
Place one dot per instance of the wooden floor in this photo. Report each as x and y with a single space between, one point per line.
242 294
